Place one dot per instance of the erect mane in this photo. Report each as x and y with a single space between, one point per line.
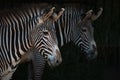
24 7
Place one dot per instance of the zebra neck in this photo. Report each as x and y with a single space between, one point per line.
62 39
65 26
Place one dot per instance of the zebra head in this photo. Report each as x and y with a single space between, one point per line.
84 35
45 40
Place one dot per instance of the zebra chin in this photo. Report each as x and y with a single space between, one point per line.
53 63
90 55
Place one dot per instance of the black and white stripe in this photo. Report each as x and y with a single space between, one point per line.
70 27
20 32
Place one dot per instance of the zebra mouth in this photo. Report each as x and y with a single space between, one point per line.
91 55
51 63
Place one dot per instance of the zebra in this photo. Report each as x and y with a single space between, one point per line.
72 27
19 34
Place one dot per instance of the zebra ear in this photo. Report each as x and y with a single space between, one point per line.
94 17
46 16
88 15
56 17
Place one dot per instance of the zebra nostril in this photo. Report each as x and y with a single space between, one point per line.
94 48
57 62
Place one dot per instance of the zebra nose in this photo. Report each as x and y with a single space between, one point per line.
93 52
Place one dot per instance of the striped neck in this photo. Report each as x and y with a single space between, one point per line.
66 25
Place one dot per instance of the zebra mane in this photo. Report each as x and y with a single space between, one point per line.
25 6
31 11
71 8
35 9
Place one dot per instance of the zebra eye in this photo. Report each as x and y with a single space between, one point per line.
84 29
45 33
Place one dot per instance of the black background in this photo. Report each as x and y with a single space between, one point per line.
74 65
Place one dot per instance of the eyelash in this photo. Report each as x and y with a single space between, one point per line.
84 30
46 33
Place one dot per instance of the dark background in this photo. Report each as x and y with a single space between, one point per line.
74 65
